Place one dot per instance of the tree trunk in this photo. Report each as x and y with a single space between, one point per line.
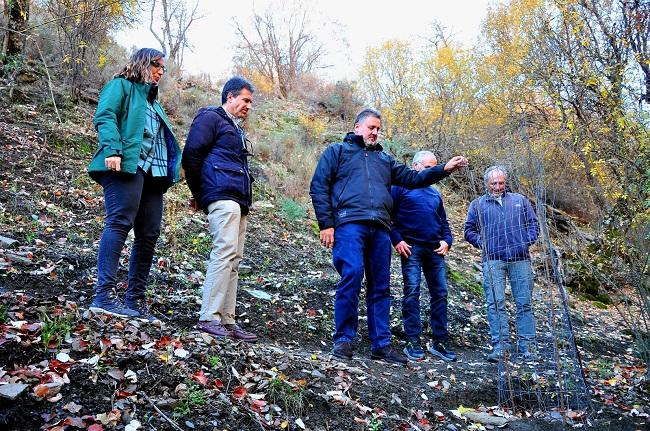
17 13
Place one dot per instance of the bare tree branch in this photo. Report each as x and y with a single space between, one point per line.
279 47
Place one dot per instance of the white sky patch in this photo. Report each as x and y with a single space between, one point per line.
345 27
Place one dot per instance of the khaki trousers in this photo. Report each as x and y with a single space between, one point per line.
228 229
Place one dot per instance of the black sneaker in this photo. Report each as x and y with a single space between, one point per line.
144 312
342 350
387 354
111 305
440 350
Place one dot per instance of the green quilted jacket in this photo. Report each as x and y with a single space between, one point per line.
119 121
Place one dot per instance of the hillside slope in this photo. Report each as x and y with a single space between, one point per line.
74 370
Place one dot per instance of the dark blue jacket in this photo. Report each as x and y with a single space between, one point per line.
215 160
352 183
419 217
502 232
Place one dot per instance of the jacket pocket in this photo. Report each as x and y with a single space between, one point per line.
230 179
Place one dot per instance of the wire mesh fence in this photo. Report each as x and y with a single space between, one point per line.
539 365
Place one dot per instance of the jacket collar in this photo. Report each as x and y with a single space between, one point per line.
490 197
358 140
222 112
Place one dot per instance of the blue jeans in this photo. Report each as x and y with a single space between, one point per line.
521 281
132 202
360 248
424 259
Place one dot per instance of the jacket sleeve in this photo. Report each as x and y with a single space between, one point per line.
200 138
404 176
446 230
395 236
320 189
109 108
532 225
472 228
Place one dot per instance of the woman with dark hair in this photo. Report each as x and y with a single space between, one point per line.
137 160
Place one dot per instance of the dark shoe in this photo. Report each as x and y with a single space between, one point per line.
387 354
239 333
342 350
214 327
111 305
413 350
440 350
142 308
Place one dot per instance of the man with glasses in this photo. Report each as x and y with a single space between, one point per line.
422 237
350 192
215 159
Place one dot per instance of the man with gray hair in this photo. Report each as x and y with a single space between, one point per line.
422 237
504 225
350 192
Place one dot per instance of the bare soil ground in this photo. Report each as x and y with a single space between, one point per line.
94 372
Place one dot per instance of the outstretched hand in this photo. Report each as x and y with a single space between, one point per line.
456 163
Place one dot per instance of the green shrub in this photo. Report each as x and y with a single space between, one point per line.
463 282
291 210
289 395
55 329
194 397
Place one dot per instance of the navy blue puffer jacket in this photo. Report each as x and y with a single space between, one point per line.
352 183
215 160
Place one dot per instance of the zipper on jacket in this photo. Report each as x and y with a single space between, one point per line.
372 203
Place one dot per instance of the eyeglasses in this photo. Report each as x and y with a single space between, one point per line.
157 65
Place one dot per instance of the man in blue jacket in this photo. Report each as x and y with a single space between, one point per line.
504 225
350 192
215 159
422 237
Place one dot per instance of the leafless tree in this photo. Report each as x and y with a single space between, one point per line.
279 46
176 19
82 30
16 14
636 25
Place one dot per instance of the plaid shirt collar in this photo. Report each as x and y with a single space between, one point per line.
234 119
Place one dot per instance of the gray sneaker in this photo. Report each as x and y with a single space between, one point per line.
495 356
526 357
112 306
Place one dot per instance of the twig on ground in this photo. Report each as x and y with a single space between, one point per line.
164 416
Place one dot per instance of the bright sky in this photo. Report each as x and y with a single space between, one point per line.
346 28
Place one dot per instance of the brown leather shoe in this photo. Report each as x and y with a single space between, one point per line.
214 327
239 333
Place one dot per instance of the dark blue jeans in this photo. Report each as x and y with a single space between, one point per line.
132 202
362 248
424 259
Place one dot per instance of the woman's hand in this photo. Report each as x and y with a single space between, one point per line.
113 163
